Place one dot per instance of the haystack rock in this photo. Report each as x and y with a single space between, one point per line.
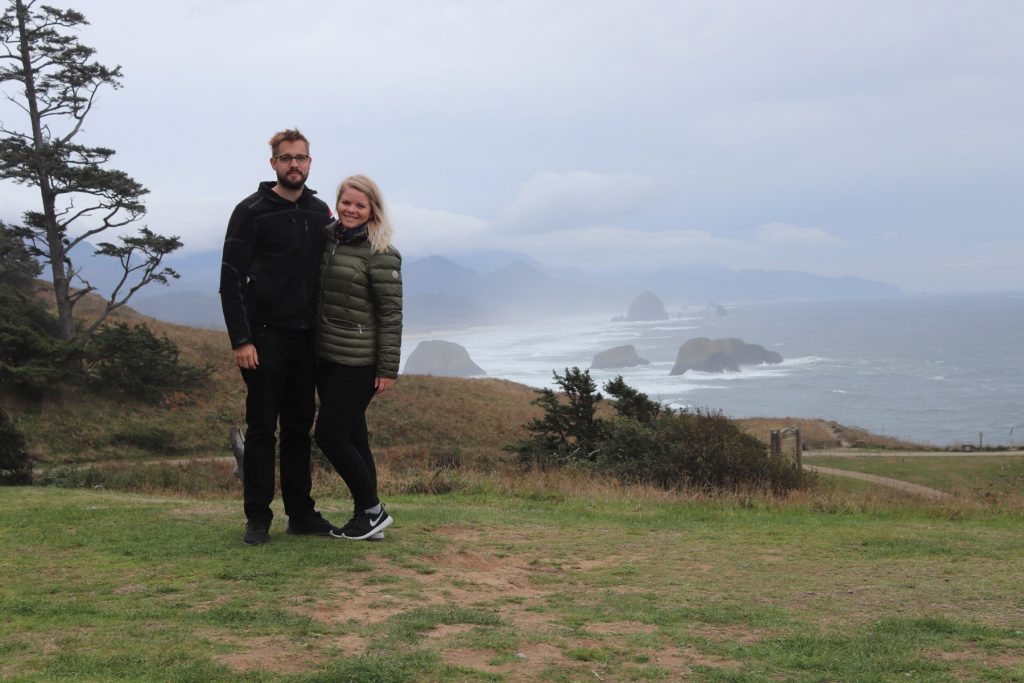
618 357
647 306
437 357
719 355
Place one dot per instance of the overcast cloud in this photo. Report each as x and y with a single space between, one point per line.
876 139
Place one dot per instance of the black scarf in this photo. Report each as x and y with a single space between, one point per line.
346 235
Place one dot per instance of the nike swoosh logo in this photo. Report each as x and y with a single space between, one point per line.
375 522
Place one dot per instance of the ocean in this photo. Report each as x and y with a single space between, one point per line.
940 370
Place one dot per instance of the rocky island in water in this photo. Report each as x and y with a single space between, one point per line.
444 358
720 355
617 357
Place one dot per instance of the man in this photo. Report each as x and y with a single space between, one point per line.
268 287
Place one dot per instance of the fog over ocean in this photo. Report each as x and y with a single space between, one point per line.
934 369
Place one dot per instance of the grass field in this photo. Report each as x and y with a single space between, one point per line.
980 477
130 567
550 578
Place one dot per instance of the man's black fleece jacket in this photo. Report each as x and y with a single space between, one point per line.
272 254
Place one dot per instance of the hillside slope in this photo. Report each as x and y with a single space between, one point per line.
422 419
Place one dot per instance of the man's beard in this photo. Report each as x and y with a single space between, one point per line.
284 181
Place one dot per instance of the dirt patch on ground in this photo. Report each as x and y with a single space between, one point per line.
447 631
459 577
613 562
1006 660
473 659
366 607
620 628
479 571
350 644
203 605
526 665
263 653
679 661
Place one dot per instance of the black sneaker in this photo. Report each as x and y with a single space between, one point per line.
311 524
256 533
365 525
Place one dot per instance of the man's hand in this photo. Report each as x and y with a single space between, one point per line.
383 384
245 356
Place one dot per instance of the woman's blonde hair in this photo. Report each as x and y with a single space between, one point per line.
379 228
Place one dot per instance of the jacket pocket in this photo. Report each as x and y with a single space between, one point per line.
346 324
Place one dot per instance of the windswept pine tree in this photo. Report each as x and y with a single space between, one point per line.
53 79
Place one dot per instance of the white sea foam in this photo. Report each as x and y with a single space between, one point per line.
841 353
802 360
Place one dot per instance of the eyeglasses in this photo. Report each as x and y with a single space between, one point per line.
289 158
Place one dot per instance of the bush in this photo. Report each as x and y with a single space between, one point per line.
647 444
15 461
701 449
32 359
132 362
569 430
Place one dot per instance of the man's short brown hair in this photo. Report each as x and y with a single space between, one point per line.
288 135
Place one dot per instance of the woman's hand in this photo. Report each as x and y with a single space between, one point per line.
383 384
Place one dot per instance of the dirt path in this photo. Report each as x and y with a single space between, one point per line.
933 494
864 453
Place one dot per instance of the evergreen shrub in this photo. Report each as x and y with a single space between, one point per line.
15 461
646 443
32 359
132 362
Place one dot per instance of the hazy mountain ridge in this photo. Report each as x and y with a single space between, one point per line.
701 284
444 292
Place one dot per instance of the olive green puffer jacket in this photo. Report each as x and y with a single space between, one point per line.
359 310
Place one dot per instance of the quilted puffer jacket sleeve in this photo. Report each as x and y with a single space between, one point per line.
385 276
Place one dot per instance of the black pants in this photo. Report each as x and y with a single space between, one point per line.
282 387
345 393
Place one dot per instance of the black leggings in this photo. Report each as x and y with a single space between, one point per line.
345 393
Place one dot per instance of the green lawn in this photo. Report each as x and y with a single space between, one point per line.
489 586
989 477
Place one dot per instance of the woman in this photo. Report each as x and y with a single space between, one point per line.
358 339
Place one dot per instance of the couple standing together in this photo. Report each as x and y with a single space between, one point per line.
311 304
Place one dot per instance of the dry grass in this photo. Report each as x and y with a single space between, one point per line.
436 415
823 433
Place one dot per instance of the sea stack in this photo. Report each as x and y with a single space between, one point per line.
437 357
719 355
647 306
617 357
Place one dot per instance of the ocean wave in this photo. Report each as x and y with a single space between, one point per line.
751 372
802 360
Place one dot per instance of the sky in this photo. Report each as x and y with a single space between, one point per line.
844 138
